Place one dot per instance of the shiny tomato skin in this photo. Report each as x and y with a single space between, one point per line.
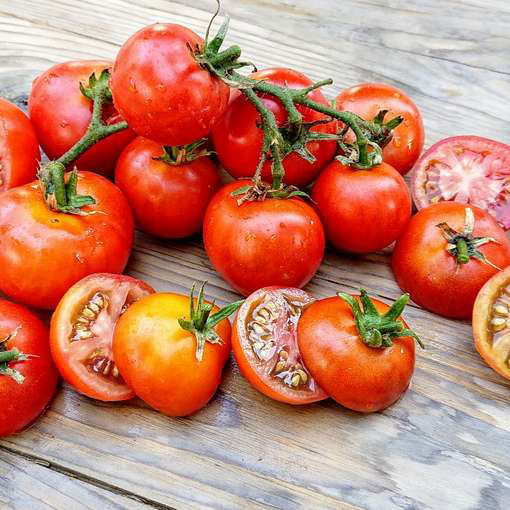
168 201
359 377
367 99
262 243
87 363
362 210
21 404
238 140
19 148
43 252
61 114
424 268
156 357
162 91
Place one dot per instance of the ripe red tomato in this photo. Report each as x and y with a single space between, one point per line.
264 242
362 210
367 99
162 91
491 322
168 200
19 148
265 345
467 169
159 360
425 263
61 114
356 375
81 333
26 386
238 139
43 252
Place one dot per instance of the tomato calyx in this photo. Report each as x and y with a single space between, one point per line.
59 195
462 245
14 354
260 190
378 330
201 323
181 154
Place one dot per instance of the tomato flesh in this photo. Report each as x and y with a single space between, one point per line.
265 345
491 322
82 332
466 169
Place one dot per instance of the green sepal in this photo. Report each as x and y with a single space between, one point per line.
90 89
11 355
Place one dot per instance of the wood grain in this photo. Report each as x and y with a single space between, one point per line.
444 445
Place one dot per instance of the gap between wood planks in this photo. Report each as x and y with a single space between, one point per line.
86 479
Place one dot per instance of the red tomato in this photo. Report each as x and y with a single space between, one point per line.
19 148
264 242
424 266
81 333
367 99
362 210
61 114
23 399
43 252
162 91
265 345
168 200
467 169
238 139
491 324
357 376
158 358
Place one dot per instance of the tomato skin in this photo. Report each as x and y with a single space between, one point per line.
168 201
156 357
424 268
19 148
359 377
21 404
367 99
262 243
161 90
71 356
362 210
238 140
61 114
43 252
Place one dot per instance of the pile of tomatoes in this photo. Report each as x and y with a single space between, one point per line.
179 111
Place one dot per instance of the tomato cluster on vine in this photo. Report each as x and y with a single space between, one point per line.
269 171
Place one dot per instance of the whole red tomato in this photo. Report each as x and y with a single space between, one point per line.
238 139
81 333
29 380
439 261
168 199
61 114
367 99
264 242
173 369
162 91
362 210
43 252
19 148
365 373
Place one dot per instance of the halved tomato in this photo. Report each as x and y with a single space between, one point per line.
82 331
491 322
265 345
465 169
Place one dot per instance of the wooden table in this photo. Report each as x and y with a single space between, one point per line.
444 446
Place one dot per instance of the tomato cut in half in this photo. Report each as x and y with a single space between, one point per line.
491 322
465 169
265 345
82 331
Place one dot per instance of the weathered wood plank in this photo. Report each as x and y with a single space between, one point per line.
445 443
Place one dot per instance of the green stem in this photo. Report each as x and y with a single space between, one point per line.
7 356
462 251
